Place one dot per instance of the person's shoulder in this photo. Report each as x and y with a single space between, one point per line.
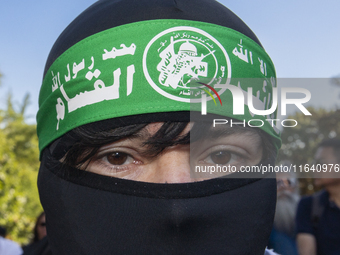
270 252
303 215
307 201
9 247
323 195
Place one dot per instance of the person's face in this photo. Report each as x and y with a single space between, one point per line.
129 159
325 155
41 227
285 184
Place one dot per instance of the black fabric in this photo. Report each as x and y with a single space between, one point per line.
327 233
86 217
38 248
2 231
317 208
106 14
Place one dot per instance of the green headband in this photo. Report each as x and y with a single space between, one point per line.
150 67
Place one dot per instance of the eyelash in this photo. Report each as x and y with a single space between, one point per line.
102 160
233 154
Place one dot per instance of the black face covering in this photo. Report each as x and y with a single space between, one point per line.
93 214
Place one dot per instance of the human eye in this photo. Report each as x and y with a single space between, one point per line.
223 155
115 162
117 159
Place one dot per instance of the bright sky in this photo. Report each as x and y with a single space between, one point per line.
302 38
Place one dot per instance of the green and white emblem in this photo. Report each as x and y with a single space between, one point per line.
177 57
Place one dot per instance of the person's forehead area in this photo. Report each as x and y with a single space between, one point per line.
212 132
325 154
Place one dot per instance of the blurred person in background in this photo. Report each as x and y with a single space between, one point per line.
282 238
39 242
8 247
318 216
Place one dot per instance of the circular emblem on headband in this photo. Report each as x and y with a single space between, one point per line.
179 60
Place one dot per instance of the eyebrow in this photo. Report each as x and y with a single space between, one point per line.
206 132
142 134
209 132
216 133
151 147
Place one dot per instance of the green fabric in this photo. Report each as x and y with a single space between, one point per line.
151 66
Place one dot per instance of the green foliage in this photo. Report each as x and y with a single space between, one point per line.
19 164
299 143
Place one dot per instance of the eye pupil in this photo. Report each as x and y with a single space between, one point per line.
221 157
117 158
